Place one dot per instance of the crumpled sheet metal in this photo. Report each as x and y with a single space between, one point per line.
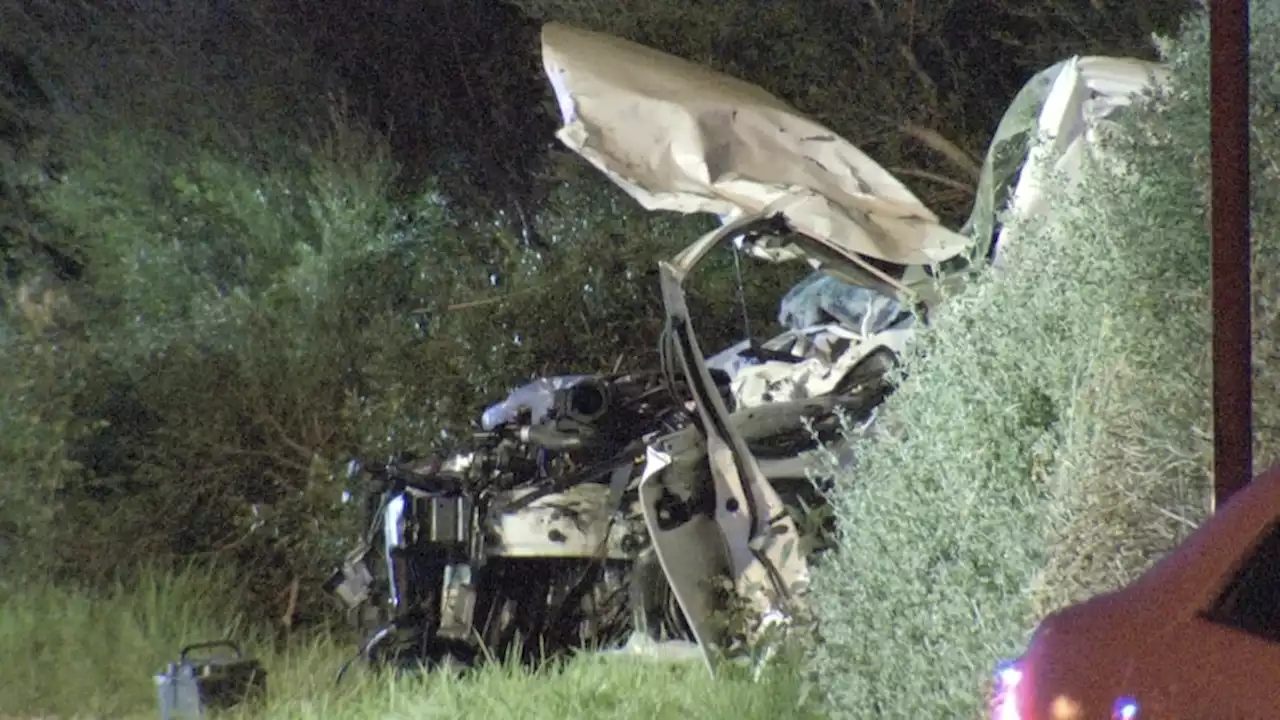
679 136
1055 118
536 396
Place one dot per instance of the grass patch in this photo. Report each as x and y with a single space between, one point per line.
83 654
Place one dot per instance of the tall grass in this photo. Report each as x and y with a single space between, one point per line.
72 653
75 652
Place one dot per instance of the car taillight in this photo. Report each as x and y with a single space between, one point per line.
1005 701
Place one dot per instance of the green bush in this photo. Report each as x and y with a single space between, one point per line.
254 299
1051 438
209 354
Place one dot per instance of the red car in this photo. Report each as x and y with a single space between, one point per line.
1197 637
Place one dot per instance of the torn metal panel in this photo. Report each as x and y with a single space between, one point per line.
1051 122
679 136
536 398
576 522
748 518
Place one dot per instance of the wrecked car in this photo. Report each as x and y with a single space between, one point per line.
649 510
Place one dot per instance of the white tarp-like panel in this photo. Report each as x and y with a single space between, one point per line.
679 136
1071 99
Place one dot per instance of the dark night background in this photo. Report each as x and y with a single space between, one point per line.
245 240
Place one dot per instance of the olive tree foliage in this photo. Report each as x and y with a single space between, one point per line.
219 288
1052 437
918 85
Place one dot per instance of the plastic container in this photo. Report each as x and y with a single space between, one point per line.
188 688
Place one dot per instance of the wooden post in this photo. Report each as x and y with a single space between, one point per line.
1232 306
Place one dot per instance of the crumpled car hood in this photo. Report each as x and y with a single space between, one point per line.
678 136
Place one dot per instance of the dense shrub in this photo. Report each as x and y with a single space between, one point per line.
212 304
1052 437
